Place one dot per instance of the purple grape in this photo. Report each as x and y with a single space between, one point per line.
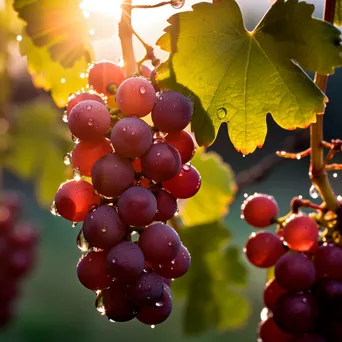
308 338
137 206
295 272
112 175
172 112
159 243
158 312
328 262
161 162
166 206
175 268
296 313
146 290
131 137
125 261
103 228
270 332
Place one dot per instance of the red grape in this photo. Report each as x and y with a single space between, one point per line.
103 74
89 120
86 153
23 236
159 243
77 98
161 162
308 338
131 137
263 249
260 210
184 143
145 71
185 184
112 175
272 292
103 228
136 96
172 112
301 233
328 262
166 206
269 332
91 271
137 206
74 199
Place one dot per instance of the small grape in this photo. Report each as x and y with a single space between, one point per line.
76 99
135 96
166 206
91 271
112 175
104 74
185 184
74 199
184 143
269 332
260 210
131 137
328 294
89 120
263 249
137 206
272 292
301 233
159 243
161 162
103 228
328 262
172 112
86 153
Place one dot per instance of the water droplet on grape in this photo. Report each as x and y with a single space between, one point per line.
65 116
160 303
91 122
313 192
304 300
89 107
74 224
153 326
76 175
114 260
221 113
75 139
142 90
53 209
67 159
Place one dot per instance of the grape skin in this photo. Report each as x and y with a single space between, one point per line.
112 175
308 338
272 292
328 262
131 137
166 206
270 332
82 97
184 143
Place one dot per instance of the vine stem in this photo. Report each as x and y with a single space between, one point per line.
318 173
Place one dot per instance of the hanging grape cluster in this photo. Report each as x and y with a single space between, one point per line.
129 176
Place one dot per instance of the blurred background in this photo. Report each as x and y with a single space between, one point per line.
54 306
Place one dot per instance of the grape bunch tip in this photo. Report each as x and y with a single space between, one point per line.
131 176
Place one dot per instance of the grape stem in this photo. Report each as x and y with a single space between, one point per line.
299 155
318 174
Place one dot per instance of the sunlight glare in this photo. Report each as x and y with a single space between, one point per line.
109 8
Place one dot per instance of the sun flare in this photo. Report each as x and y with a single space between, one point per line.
110 8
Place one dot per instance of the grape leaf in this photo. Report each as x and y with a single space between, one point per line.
59 26
236 76
338 13
209 287
216 193
52 76
39 143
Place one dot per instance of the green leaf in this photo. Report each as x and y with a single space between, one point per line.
236 76
52 76
209 287
216 193
338 13
39 143
60 27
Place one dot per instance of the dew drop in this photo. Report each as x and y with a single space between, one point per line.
142 90
245 195
53 209
67 159
221 113
304 300
76 175
65 117
242 217
177 4
313 192
114 260
91 122
74 224
153 326
89 107
160 303
75 139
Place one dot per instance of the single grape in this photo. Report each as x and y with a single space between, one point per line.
328 262
125 261
175 268
172 112
184 143
137 206
146 290
86 153
159 243
77 98
328 295
89 120
295 272
301 233
145 71
131 137
161 162
185 184
74 199
269 332
24 236
259 210
308 338
103 228
136 96
112 175
296 313
272 292
166 206
115 304
158 312
263 249
104 74
91 271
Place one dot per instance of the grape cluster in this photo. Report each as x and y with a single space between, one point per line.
18 243
303 302
130 176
